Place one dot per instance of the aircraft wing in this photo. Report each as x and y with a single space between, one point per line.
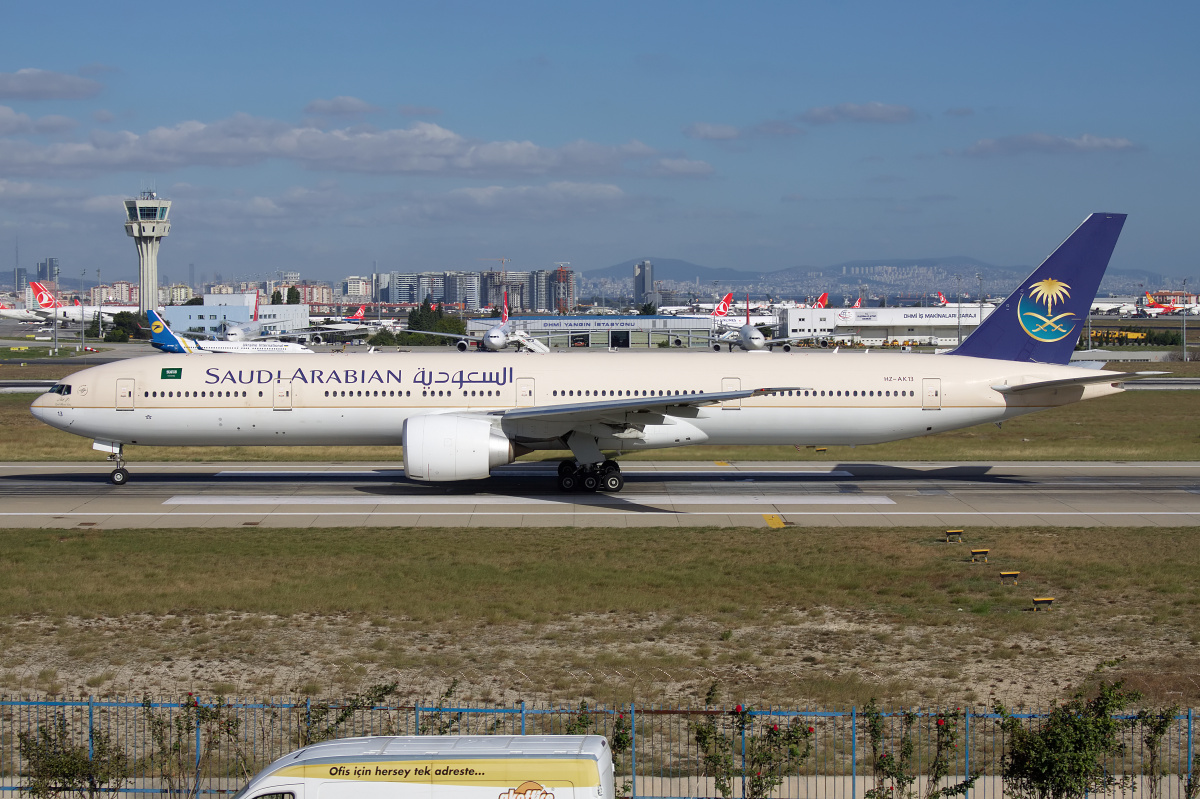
769 342
1081 380
597 411
446 335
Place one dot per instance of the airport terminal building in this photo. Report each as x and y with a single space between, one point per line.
869 327
877 327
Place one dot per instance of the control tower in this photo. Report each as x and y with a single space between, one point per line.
146 221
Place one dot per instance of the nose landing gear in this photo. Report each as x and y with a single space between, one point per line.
120 475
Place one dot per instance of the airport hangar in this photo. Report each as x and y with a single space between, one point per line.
870 327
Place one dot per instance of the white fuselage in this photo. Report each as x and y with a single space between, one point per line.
363 399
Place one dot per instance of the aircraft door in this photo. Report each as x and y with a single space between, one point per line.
931 394
126 389
731 384
525 397
283 395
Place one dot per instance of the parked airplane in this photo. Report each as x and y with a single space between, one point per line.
456 422
69 313
748 337
496 338
1154 307
19 314
163 338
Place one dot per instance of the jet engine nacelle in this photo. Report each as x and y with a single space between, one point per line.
462 346
451 447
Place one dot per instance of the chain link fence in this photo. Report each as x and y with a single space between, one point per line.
217 748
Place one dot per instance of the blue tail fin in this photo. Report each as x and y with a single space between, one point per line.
1042 319
161 336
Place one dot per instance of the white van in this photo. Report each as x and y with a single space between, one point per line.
441 767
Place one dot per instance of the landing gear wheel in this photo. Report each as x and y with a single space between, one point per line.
609 466
568 483
590 482
612 482
119 476
567 467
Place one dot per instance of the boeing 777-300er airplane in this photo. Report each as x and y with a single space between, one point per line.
163 338
457 418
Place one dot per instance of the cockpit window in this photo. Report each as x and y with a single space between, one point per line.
61 388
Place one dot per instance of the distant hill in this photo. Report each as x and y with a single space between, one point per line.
670 269
995 277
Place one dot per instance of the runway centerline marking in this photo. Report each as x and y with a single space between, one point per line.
583 500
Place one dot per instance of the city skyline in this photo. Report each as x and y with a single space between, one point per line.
759 138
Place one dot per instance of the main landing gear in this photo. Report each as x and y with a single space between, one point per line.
606 476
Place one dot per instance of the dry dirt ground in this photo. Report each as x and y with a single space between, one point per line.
813 657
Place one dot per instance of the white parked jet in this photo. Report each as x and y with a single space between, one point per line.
164 339
457 419
496 338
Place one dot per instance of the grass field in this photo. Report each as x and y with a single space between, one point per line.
652 615
1141 425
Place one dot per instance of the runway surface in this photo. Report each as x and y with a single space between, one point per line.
174 495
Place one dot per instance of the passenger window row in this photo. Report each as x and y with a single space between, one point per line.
185 394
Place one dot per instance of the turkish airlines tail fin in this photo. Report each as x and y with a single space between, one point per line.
942 299
504 310
359 314
722 308
1041 320
822 300
857 303
44 296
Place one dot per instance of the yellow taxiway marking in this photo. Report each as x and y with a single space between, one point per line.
773 520
720 463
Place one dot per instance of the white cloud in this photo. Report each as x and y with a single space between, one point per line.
772 128
710 132
341 106
682 167
12 122
40 84
421 148
103 116
54 123
1045 143
556 200
854 112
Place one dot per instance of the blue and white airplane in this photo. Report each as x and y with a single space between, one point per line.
163 338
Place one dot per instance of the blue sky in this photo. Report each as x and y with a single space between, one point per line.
325 137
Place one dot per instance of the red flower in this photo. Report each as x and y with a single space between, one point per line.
811 730
737 709
775 727
941 722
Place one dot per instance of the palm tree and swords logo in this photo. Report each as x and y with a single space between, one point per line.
1049 326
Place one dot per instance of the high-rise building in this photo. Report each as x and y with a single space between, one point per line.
643 280
20 280
561 286
431 286
357 287
462 288
47 269
402 287
146 223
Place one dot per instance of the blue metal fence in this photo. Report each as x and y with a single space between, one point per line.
172 743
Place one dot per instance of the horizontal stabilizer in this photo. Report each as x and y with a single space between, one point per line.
1082 380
